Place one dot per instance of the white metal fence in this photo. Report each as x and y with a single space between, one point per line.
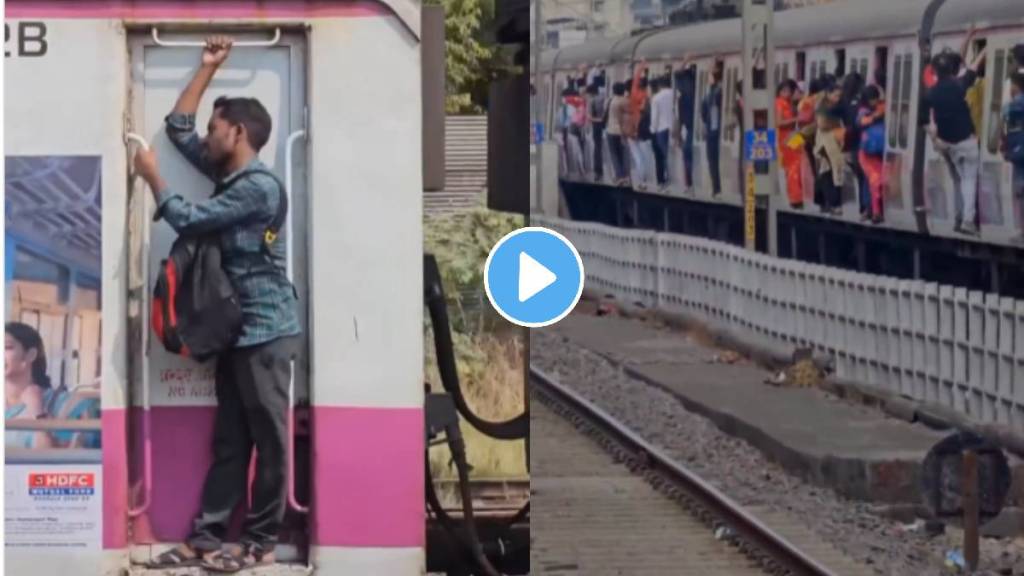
960 349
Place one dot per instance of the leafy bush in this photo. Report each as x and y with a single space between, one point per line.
488 349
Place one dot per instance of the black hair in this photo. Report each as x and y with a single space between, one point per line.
870 93
247 112
592 89
853 85
787 83
29 339
618 88
1018 54
946 64
828 82
1017 79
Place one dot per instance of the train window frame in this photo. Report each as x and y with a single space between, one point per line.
905 103
702 90
1000 65
724 119
728 100
895 87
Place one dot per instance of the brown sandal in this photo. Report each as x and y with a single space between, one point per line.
173 558
223 562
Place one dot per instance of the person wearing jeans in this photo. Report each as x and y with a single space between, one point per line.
618 116
661 125
711 114
597 112
686 80
952 131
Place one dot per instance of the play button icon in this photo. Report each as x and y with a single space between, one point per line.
533 277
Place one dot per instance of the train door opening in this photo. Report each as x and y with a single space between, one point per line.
701 177
730 165
173 399
999 207
880 68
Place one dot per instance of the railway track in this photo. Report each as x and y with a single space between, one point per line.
608 502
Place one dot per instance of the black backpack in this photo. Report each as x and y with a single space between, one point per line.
195 309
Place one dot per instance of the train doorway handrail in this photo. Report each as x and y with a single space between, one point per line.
200 43
147 444
292 500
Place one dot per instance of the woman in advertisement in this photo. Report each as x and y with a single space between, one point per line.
28 390
30 395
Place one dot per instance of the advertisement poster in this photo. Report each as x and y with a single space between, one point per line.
52 351
53 507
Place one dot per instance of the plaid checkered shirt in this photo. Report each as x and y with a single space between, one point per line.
239 215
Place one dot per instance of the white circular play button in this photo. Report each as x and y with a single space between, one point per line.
533 277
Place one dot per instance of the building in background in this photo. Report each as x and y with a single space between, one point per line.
569 22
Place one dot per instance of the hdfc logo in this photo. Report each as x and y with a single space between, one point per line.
61 484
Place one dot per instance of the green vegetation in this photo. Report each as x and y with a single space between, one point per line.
489 350
472 59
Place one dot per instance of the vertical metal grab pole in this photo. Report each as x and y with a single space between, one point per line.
292 501
147 444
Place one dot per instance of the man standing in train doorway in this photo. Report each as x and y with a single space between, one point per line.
252 378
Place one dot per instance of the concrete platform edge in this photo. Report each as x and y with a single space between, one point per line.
872 481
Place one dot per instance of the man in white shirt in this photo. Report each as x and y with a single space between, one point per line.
661 124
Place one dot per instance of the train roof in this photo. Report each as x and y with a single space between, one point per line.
847 21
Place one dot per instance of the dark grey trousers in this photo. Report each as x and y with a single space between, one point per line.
252 409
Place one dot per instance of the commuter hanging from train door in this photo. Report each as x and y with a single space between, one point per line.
661 125
871 119
1013 147
597 111
686 84
852 88
618 118
944 109
252 378
791 151
711 115
636 97
828 148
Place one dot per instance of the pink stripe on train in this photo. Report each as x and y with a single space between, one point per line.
367 484
368 488
184 9
115 479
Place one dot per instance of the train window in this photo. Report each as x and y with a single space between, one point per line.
907 81
777 77
841 62
785 71
702 90
996 104
814 71
881 67
727 97
894 99
801 66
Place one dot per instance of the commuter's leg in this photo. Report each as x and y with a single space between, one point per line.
264 390
968 164
688 158
713 167
232 447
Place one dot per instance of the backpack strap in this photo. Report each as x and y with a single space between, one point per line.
270 234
